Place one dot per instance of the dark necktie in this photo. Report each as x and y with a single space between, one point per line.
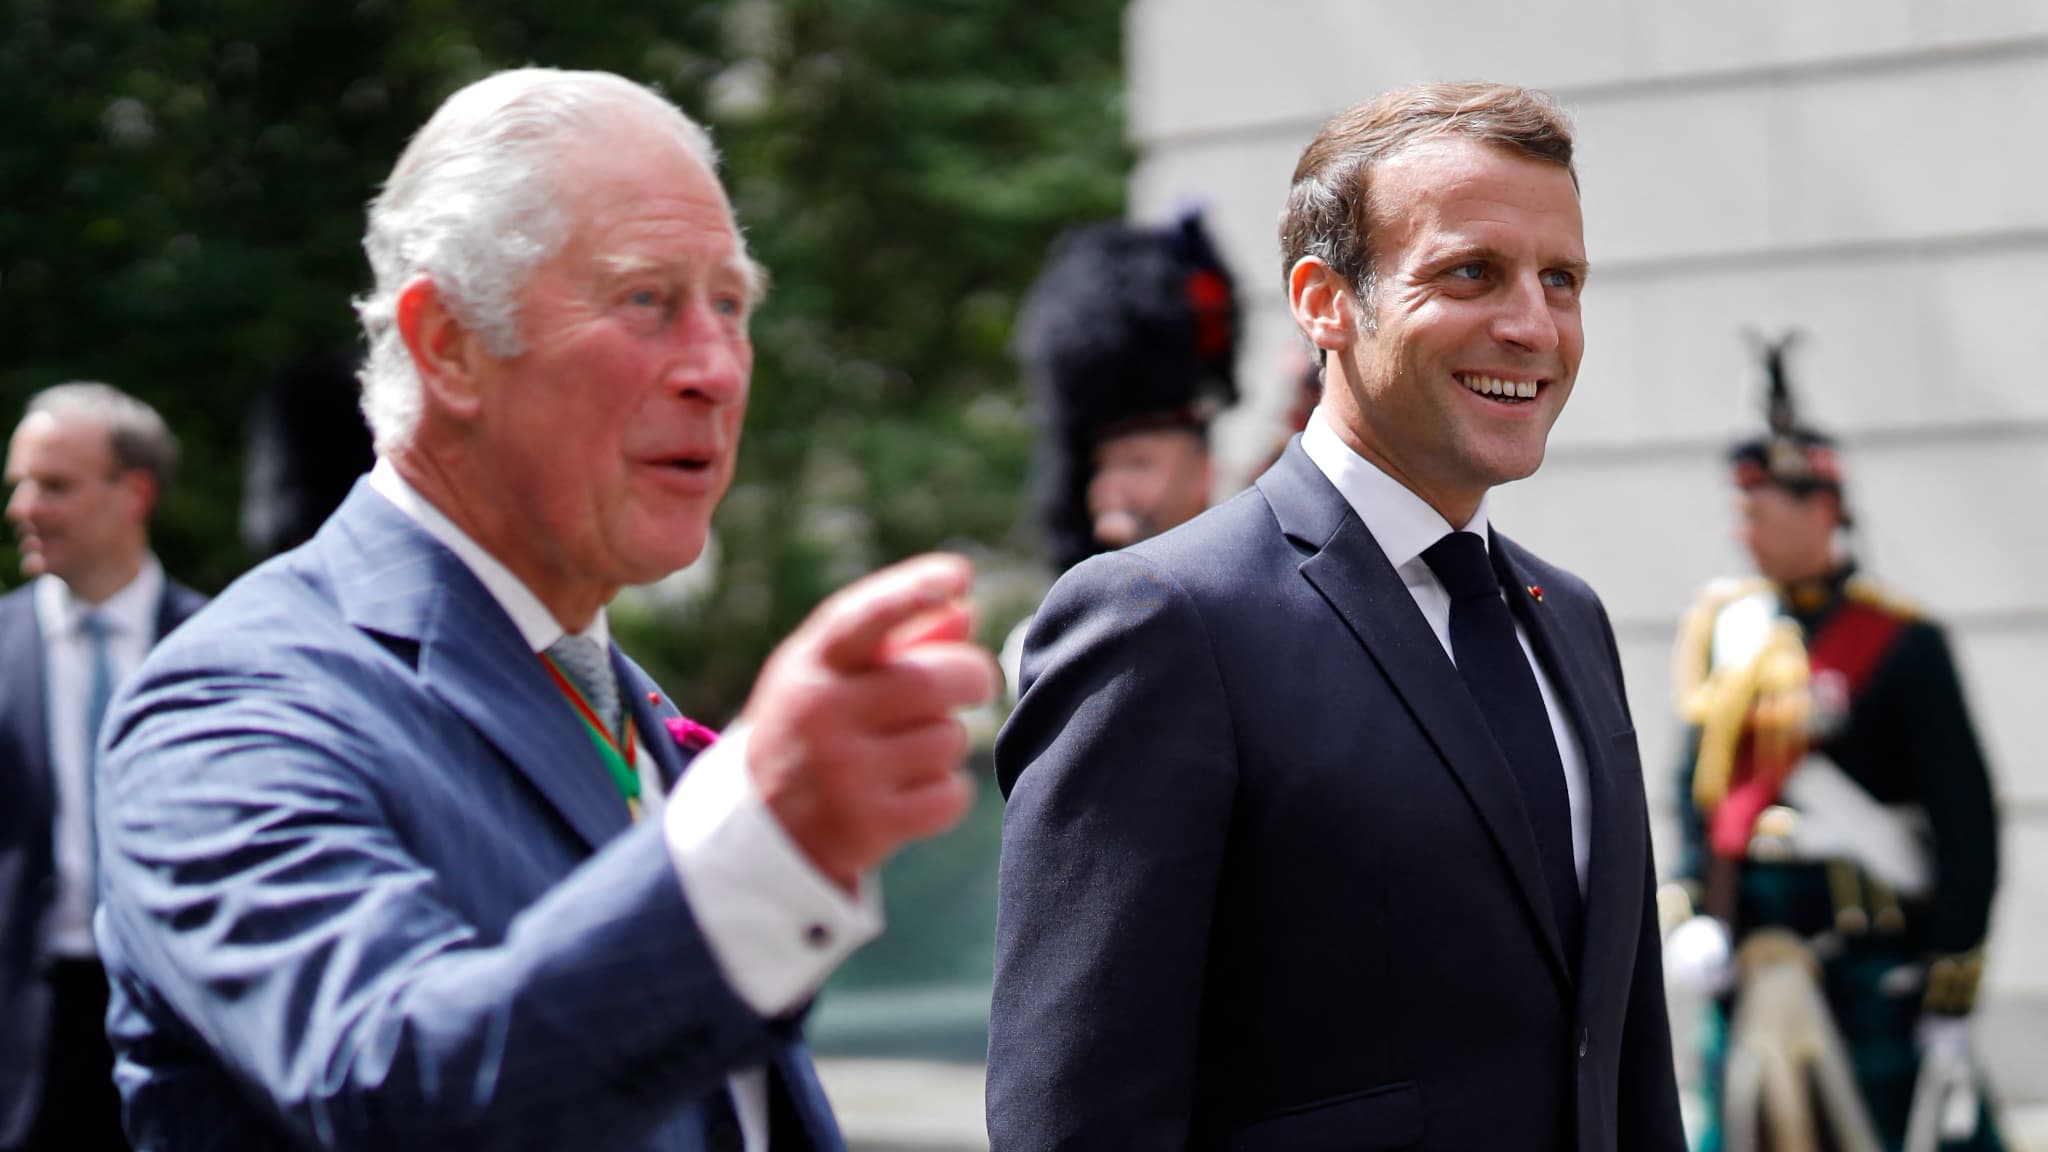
1496 671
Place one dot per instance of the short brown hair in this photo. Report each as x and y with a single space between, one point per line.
1328 205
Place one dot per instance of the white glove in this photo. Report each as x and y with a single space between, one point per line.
1947 1037
1945 1071
1698 955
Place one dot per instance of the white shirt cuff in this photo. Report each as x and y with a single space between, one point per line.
777 927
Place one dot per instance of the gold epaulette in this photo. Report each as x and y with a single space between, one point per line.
1692 655
1952 982
1867 591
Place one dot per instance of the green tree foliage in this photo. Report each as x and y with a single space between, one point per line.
181 203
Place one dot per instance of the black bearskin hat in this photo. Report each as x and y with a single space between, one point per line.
1127 329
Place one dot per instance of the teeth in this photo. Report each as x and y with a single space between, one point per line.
1495 386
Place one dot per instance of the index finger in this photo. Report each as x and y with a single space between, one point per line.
853 624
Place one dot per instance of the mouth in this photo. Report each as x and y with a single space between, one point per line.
1501 389
694 471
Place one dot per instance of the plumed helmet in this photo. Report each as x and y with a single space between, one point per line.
1127 329
1789 455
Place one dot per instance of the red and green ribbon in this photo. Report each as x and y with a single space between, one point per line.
618 760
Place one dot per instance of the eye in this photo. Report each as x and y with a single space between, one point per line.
730 305
1473 270
1558 278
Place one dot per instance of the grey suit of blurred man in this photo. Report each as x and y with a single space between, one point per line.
88 465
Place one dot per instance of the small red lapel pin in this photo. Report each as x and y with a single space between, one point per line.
1536 592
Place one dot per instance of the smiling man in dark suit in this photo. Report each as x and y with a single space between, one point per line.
87 466
1326 825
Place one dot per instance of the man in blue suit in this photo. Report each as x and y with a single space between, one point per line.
87 465
399 851
1326 826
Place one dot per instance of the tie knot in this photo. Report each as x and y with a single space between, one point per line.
589 668
94 626
1459 560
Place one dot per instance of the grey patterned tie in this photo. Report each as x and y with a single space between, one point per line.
589 668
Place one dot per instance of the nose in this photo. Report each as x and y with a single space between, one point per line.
21 502
1525 320
713 356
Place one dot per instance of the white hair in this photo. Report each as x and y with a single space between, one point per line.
473 204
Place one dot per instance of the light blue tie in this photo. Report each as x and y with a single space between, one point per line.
99 690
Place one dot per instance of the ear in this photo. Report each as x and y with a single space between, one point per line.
139 493
1321 302
445 353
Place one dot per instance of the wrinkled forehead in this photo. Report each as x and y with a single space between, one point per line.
637 177
1477 193
1457 175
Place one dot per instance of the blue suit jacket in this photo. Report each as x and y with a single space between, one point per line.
28 867
1267 881
367 885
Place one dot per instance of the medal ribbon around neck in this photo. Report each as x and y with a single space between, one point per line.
619 761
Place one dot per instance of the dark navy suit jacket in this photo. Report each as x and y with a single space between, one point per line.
28 869
367 885
1267 881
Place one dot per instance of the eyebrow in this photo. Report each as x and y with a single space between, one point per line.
1463 253
749 271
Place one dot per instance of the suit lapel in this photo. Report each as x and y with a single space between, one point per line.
1616 861
175 605
393 579
650 710
1351 572
28 715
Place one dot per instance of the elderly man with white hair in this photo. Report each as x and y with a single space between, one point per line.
399 851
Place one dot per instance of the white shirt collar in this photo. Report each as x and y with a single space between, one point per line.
535 622
1403 522
128 612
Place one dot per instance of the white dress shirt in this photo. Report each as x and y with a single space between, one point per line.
1405 526
130 617
777 927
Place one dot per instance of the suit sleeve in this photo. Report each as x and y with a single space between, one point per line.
1120 771
1954 784
258 893
1648 1092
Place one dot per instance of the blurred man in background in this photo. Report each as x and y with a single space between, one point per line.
87 464
1129 339
399 848
1833 789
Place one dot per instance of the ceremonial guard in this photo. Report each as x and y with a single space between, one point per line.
1129 341
1839 831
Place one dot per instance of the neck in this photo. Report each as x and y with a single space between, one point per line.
1457 507
573 601
97 586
